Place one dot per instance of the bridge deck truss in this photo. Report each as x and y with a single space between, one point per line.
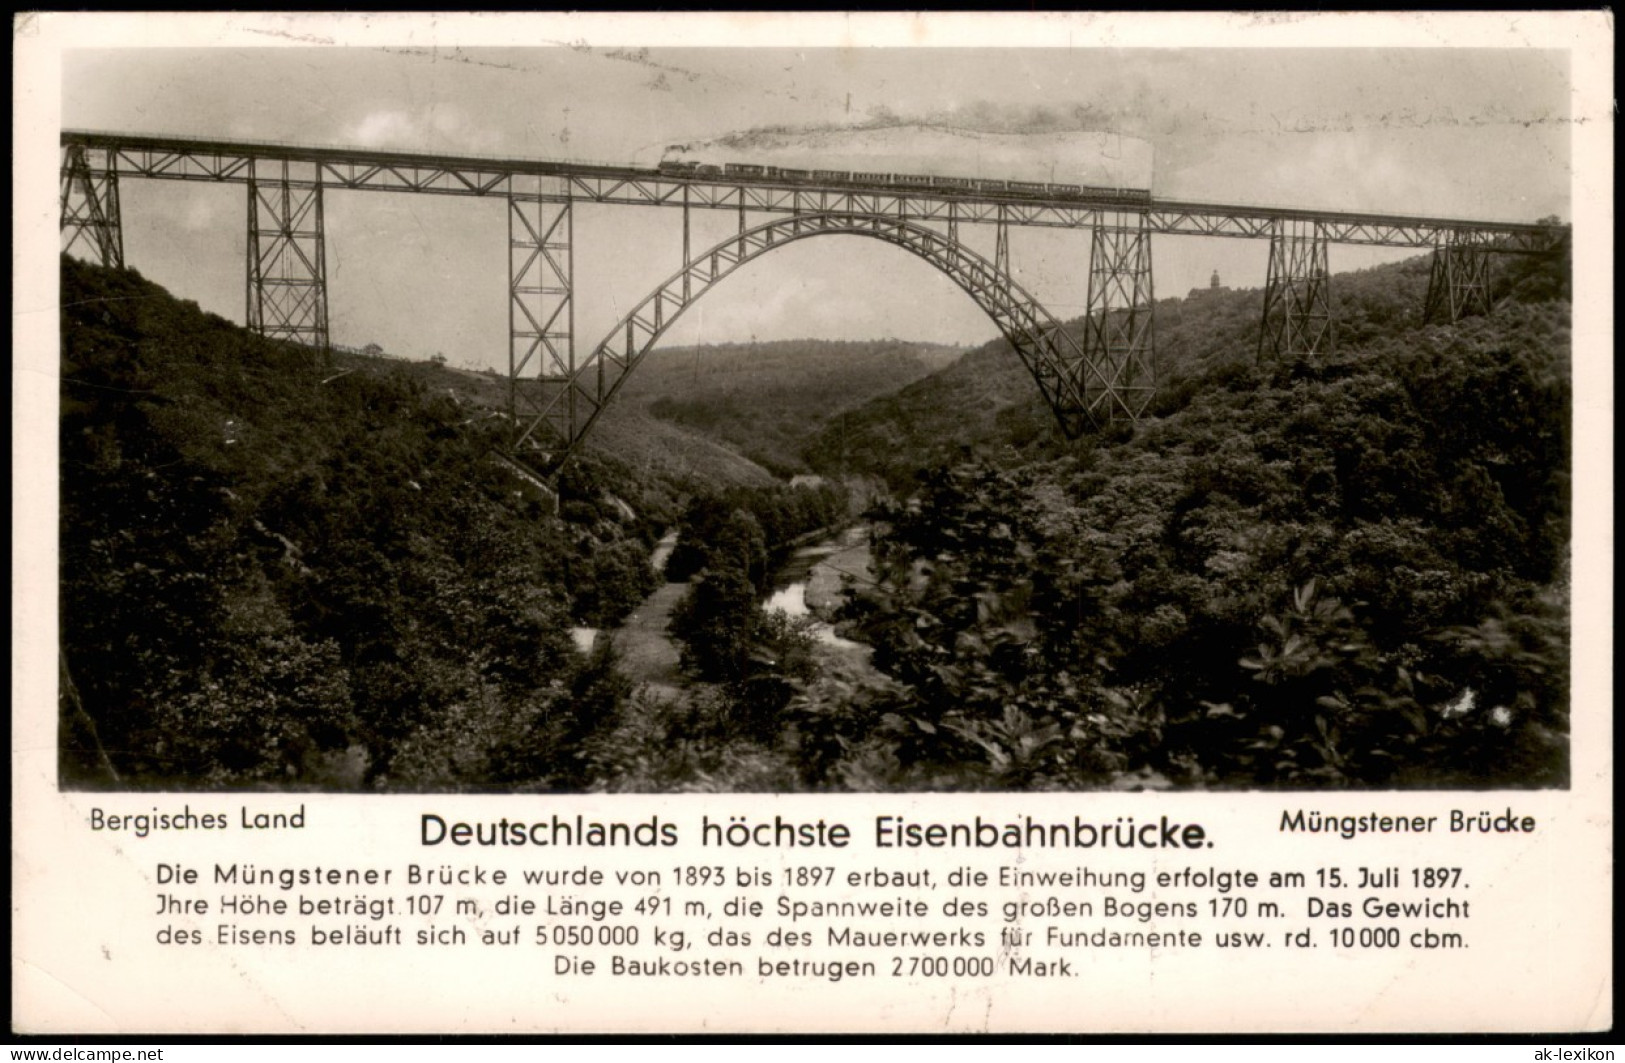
178 159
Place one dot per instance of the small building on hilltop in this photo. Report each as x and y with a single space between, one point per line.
1213 287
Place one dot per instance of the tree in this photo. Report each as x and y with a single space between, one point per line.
717 624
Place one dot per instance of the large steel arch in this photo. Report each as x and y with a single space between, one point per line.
1077 390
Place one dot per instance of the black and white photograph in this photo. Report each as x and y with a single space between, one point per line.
1186 420
1142 483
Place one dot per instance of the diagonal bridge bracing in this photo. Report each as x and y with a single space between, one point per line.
90 207
1459 282
541 298
1298 319
1075 388
353 169
1117 340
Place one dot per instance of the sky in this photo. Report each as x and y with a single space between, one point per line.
1458 132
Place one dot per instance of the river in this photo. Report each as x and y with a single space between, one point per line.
812 582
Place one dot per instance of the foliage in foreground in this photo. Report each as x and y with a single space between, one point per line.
272 577
727 547
1349 574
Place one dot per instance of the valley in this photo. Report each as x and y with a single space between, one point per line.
1335 572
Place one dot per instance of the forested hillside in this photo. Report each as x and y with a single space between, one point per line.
986 403
660 459
1344 571
1349 571
767 399
275 577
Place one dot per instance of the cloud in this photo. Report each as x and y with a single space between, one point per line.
385 129
200 214
441 127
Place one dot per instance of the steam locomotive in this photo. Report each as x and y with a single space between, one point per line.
695 168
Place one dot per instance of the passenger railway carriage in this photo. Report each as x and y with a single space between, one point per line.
695 168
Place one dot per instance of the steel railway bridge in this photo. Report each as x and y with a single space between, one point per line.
556 395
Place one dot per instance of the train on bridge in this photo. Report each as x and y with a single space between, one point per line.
1093 166
911 182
